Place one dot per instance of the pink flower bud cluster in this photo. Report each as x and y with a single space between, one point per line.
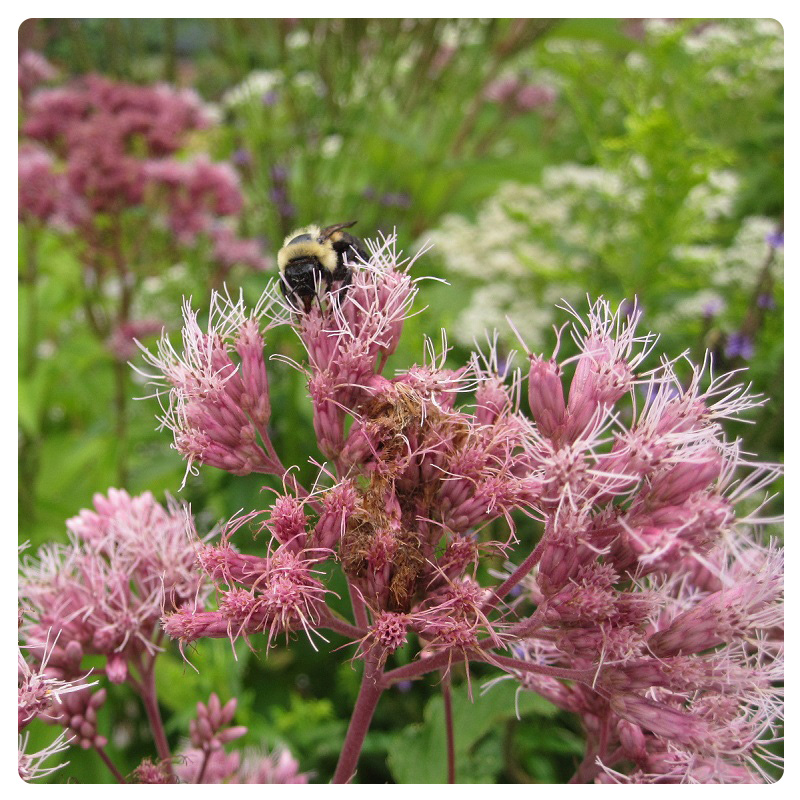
217 401
348 345
275 594
648 609
103 593
209 732
206 761
44 694
77 714
249 766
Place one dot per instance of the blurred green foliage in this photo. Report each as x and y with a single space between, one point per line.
387 122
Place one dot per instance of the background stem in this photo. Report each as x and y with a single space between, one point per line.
448 724
110 764
147 690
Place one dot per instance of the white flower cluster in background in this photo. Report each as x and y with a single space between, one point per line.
731 48
733 269
531 245
253 87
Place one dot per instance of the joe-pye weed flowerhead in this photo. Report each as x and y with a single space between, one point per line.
648 606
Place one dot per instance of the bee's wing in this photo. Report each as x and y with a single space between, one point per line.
326 233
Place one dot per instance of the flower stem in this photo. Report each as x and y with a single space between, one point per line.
147 690
30 238
516 576
110 764
359 611
202 773
448 724
121 421
368 696
581 675
331 621
416 669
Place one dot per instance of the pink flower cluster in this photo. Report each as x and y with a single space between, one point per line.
106 132
646 606
218 407
105 147
41 693
33 70
645 578
194 192
104 593
519 96
43 192
129 560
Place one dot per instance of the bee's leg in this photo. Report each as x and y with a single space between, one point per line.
290 296
347 279
328 279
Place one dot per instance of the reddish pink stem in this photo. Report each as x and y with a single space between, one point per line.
110 764
581 675
368 696
416 669
359 610
147 691
516 576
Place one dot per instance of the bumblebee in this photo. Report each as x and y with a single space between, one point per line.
312 258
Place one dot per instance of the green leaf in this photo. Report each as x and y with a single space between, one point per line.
419 753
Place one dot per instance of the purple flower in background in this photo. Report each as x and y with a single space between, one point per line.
122 341
277 195
396 200
775 240
270 98
242 157
520 97
766 301
628 307
278 173
739 345
712 308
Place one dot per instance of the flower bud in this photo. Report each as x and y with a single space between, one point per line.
546 396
